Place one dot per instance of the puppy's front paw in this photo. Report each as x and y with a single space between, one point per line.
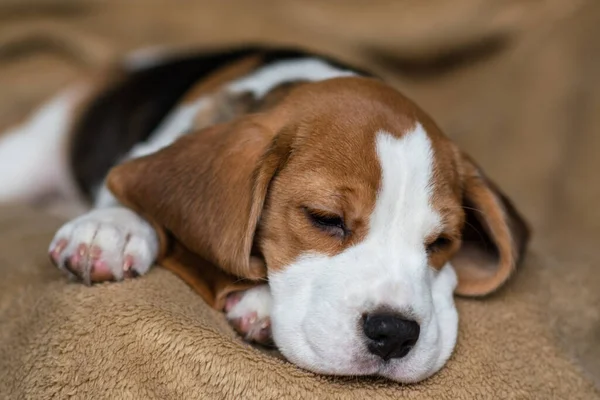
105 244
249 312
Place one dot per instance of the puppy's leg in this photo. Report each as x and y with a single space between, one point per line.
249 312
110 243
33 161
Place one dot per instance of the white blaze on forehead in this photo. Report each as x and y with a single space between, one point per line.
403 213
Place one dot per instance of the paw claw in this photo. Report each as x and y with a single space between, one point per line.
128 263
57 250
128 270
82 250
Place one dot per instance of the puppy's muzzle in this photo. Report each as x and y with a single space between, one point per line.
389 335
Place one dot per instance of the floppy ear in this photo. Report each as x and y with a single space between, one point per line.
207 190
494 237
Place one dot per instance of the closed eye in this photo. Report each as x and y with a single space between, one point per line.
439 244
327 222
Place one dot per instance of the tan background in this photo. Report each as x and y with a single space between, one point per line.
516 83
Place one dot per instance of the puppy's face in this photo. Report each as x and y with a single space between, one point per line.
365 215
357 232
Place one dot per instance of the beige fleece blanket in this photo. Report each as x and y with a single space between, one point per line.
155 338
516 85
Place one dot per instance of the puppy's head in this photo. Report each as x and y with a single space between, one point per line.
364 217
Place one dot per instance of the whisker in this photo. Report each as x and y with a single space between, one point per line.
479 233
243 279
472 209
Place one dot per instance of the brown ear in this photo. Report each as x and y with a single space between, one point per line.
495 235
207 190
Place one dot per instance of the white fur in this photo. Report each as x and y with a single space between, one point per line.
179 122
263 80
117 231
318 300
33 162
256 300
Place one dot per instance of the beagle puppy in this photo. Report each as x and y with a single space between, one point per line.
312 202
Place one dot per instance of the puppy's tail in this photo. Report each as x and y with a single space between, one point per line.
85 49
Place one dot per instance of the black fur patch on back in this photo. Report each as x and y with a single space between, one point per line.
128 112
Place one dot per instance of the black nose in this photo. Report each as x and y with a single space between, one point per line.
389 335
